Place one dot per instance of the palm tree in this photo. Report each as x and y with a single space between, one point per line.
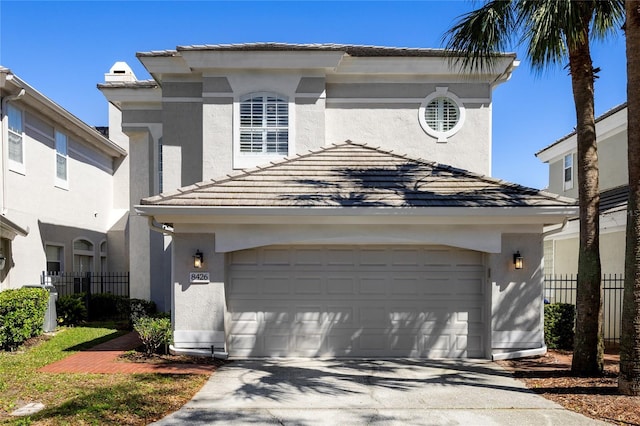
552 31
629 379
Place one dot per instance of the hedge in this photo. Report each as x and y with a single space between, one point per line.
21 315
71 309
559 319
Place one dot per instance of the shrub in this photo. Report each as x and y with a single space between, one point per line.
559 321
71 309
139 308
21 315
154 333
107 306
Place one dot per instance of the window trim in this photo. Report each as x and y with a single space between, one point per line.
243 160
13 165
567 184
59 182
79 252
62 247
103 255
442 92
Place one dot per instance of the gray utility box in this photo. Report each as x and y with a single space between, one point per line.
50 315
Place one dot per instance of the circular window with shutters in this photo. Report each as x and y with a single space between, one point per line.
441 114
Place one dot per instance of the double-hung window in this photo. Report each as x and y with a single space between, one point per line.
264 124
54 254
16 140
61 161
568 172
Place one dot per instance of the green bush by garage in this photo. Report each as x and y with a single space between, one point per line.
21 315
559 325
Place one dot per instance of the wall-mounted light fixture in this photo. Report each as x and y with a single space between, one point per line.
517 260
198 259
3 260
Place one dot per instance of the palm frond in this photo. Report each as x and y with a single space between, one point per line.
609 16
478 38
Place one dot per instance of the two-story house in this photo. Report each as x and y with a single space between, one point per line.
58 181
561 248
328 200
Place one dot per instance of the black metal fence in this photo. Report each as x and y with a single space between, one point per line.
562 289
67 283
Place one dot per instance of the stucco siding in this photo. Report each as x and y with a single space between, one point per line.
181 89
612 158
217 139
183 126
197 306
401 90
517 295
310 124
396 127
54 215
566 256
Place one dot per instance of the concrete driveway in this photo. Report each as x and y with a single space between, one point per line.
378 392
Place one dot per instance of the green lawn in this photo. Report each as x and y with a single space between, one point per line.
79 399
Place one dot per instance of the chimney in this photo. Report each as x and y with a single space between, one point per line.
120 71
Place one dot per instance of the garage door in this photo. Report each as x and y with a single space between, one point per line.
356 301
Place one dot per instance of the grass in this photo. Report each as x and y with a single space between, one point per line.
85 399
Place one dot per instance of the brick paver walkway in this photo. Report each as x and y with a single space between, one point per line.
103 358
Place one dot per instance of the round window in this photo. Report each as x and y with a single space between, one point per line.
441 114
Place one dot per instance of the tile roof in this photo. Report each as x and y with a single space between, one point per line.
614 199
351 49
356 175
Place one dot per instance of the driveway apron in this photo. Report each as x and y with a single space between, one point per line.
376 392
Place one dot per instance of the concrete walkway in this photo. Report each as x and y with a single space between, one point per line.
103 359
378 392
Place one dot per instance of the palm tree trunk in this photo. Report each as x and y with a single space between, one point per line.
588 355
629 379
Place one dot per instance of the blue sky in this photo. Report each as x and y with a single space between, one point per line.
63 49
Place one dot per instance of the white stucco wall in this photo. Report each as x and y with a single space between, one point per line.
397 128
198 307
517 295
52 214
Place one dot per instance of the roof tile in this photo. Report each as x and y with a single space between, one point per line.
356 175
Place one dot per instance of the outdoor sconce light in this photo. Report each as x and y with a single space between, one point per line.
2 261
517 260
198 259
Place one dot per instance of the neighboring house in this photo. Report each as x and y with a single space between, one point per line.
561 248
328 200
58 184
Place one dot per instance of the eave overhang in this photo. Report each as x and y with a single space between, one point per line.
12 84
10 229
542 215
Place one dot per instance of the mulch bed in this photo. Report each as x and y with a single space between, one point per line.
596 397
139 356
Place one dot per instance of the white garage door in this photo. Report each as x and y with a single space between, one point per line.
356 301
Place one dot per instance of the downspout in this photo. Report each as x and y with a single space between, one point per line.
155 226
535 351
3 106
556 230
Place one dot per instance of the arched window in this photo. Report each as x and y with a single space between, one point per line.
83 256
264 124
